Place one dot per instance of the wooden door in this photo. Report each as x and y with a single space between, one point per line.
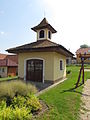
34 70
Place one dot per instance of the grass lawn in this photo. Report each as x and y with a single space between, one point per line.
8 78
63 100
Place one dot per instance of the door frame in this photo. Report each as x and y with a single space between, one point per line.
25 62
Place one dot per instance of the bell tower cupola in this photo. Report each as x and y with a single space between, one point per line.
44 30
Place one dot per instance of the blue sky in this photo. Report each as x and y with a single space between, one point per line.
16 19
71 18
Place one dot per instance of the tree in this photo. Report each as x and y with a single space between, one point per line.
84 46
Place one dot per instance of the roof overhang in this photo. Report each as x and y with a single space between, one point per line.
43 27
45 49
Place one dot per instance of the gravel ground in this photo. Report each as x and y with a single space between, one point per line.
88 70
85 109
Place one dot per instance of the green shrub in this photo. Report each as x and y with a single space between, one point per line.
21 88
6 90
9 76
21 108
68 71
9 90
5 112
18 102
2 105
21 114
8 113
33 103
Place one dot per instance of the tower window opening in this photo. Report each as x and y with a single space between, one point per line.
49 34
41 34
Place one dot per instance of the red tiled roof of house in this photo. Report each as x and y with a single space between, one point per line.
8 63
83 51
13 58
11 63
2 56
3 62
8 60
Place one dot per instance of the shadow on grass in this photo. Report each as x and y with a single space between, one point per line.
74 89
71 89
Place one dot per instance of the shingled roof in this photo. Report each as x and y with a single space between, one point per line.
41 46
83 51
44 24
8 63
8 60
2 56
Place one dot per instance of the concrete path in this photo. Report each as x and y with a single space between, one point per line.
85 109
88 70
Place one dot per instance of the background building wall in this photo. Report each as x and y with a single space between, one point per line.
3 71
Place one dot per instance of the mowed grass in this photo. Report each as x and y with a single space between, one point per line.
8 78
63 100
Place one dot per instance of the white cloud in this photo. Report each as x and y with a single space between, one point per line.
71 18
2 33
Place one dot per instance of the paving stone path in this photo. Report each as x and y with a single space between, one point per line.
85 109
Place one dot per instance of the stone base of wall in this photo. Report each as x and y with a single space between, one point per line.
20 78
46 81
55 81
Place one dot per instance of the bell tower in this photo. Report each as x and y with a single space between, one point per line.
44 30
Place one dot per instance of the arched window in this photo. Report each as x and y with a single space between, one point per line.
41 34
49 34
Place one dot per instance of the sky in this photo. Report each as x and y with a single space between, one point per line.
71 19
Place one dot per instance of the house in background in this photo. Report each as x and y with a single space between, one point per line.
71 60
42 60
83 51
74 60
8 65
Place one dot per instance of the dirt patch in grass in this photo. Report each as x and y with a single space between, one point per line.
45 108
